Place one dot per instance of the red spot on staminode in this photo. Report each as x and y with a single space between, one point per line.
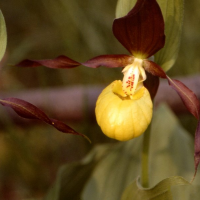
130 82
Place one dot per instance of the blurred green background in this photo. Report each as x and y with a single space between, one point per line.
31 155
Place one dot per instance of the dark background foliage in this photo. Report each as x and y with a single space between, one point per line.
30 155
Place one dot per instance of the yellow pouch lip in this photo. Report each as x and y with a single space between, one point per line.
117 89
120 117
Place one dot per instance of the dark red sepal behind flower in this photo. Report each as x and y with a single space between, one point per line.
111 61
29 111
152 84
141 31
59 62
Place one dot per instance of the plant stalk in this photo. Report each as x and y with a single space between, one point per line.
145 158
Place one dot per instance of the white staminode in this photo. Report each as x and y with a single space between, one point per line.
134 75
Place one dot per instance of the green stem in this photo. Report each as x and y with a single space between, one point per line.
145 158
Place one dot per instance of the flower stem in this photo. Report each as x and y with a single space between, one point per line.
145 158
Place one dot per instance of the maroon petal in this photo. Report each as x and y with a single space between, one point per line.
197 148
29 111
59 62
154 69
111 61
141 31
152 84
188 97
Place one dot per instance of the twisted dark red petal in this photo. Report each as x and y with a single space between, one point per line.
61 62
110 61
192 104
29 111
141 31
188 97
154 69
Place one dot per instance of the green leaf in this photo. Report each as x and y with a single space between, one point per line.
171 154
161 191
123 7
186 192
3 36
115 172
173 188
172 11
171 148
70 181
173 16
72 177
109 169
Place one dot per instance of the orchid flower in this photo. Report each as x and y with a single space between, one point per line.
124 108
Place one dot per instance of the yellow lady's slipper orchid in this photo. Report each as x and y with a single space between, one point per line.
124 109
123 117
